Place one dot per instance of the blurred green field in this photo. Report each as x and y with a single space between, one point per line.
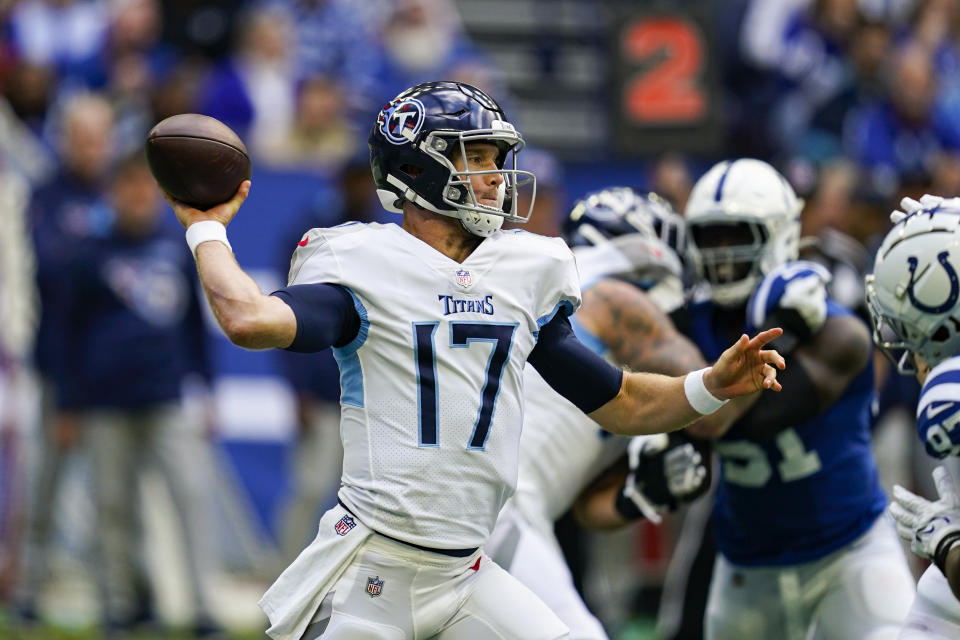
8 631
637 629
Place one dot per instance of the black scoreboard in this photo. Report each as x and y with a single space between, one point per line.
666 82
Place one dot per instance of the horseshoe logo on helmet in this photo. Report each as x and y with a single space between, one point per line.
954 285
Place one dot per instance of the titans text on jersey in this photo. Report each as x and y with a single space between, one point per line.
466 305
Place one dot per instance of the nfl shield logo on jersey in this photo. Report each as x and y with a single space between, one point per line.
374 586
463 278
344 525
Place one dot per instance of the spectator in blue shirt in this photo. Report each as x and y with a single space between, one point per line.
906 138
133 332
424 39
62 213
65 35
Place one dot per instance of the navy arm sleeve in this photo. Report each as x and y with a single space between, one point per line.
573 370
326 316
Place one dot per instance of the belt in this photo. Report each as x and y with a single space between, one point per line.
453 553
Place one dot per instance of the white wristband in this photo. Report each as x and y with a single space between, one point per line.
206 231
699 398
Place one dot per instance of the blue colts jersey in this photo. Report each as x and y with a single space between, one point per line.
804 493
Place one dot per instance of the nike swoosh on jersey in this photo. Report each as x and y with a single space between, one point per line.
931 412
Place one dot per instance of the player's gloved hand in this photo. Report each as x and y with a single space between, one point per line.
931 527
665 470
909 206
793 297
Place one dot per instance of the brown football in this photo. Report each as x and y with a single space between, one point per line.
197 159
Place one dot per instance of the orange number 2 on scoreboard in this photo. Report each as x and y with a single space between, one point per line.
667 89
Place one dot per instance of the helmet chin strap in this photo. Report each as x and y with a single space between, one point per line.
480 224
484 224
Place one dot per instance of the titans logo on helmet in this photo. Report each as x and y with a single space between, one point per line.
400 120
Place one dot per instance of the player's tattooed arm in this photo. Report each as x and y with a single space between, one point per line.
643 338
639 335
595 508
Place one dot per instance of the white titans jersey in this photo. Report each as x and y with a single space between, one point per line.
561 451
431 388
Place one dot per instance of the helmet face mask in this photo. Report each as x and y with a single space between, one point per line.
913 293
891 336
730 254
743 220
419 133
460 193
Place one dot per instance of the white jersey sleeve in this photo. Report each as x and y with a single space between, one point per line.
559 287
315 260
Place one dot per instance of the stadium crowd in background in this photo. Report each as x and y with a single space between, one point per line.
856 102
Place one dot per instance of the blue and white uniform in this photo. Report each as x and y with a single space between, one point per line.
431 397
800 512
938 412
556 435
936 612
808 492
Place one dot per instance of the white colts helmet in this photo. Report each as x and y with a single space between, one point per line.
743 220
914 292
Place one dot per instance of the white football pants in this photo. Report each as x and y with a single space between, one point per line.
392 591
935 614
862 591
538 563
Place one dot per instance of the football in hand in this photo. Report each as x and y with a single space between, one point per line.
197 159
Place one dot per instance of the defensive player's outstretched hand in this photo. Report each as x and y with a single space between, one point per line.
746 367
222 213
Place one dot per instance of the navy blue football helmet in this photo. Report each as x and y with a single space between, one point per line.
417 134
633 236
616 211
